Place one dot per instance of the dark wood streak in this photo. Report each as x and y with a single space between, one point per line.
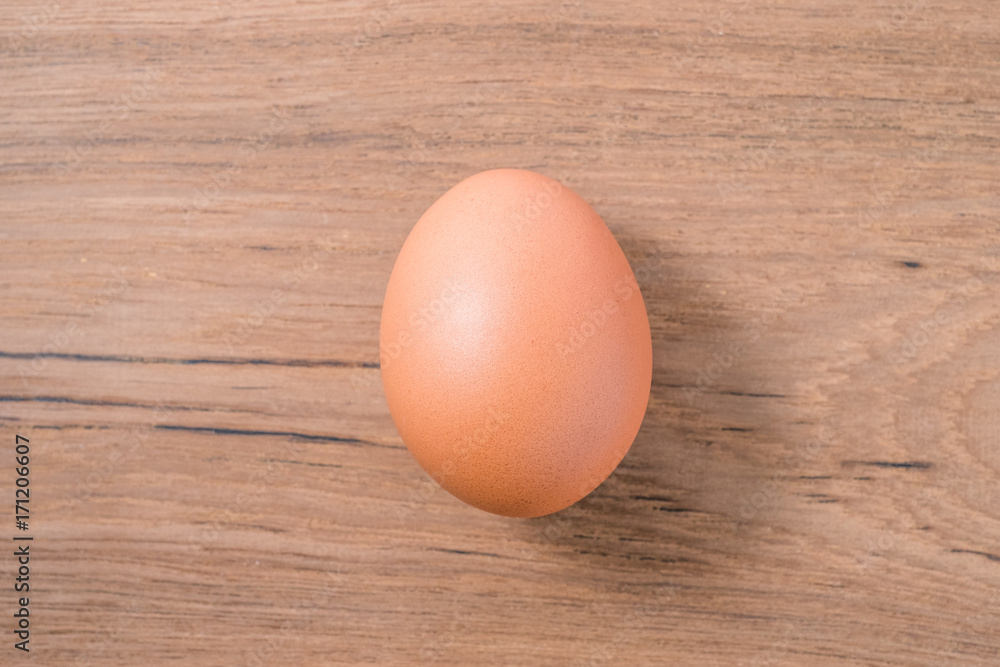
916 465
750 394
70 427
126 359
258 526
304 463
990 556
680 510
274 434
463 552
112 404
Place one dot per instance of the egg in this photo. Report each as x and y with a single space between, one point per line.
515 349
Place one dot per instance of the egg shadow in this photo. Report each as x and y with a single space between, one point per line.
673 504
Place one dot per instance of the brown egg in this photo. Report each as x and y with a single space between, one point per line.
515 347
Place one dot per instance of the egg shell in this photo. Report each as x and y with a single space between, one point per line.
515 348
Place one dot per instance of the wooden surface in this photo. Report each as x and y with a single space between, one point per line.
200 205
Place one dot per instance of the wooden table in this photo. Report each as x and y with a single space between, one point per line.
200 205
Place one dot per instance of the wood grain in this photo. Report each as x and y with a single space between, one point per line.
200 204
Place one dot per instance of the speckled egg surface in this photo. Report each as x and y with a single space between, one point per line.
514 347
